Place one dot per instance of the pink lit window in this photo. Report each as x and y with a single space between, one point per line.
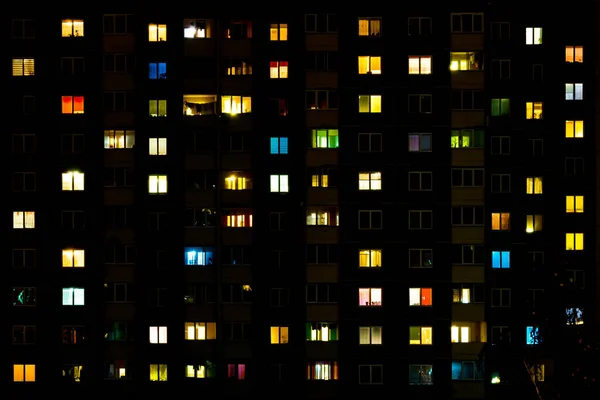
72 104
236 371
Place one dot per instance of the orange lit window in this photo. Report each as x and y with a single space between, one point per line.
72 104
279 69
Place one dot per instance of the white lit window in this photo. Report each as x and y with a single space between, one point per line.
200 330
573 91
158 147
158 334
533 36
23 219
114 139
419 65
73 297
369 181
279 184
72 181
157 184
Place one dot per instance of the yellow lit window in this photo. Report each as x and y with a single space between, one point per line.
200 331
459 334
72 28
158 108
157 32
158 372
369 258
239 219
420 335
369 27
369 103
114 139
573 241
279 69
534 110
24 373
23 67
574 129
236 105
322 216
369 181
73 181
72 104
23 219
369 65
419 65
574 54
236 182
279 334
500 221
534 223
73 258
320 181
157 184
535 185
461 61
279 32
574 204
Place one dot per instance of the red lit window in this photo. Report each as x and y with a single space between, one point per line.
72 104
426 299
236 371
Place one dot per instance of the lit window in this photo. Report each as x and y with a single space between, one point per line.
419 142
462 61
237 218
574 316
535 185
370 65
500 259
73 181
72 28
420 297
369 103
370 335
158 372
420 335
574 204
279 69
500 107
23 67
279 145
532 335
23 219
158 335
73 258
157 108
279 184
573 129
573 91
197 29
157 184
501 221
325 139
72 104
158 147
419 65
279 335
467 138
279 32
533 36
369 181
236 105
236 371
369 27
573 241
322 216
370 297
23 372
157 32
119 139
157 70
202 371
321 332
574 54
534 223
320 180
461 295
459 334
534 110
73 296
237 181
537 372
198 256
369 258
200 331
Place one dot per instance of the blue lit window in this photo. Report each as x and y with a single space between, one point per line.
157 70
500 259
198 256
465 370
532 335
279 145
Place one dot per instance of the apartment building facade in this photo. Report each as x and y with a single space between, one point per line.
241 205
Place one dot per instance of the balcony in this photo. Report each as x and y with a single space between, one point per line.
468 338
195 105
